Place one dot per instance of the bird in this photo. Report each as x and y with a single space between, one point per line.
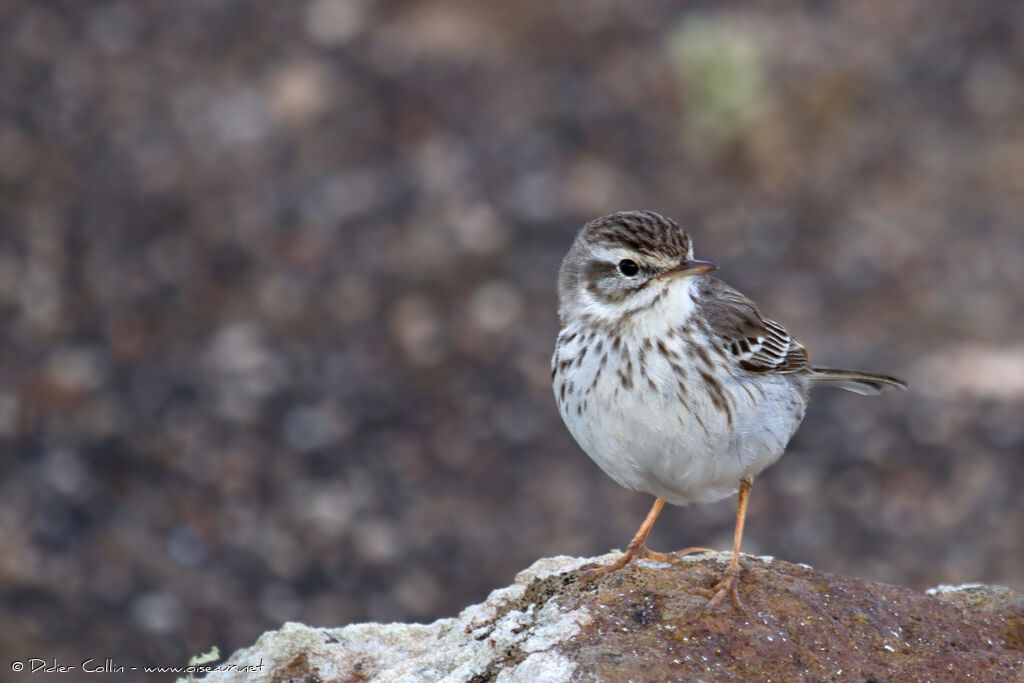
672 382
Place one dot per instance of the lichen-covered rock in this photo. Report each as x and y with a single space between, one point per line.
645 623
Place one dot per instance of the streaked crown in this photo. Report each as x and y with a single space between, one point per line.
643 232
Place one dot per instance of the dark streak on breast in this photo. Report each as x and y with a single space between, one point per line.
717 395
702 353
700 421
600 367
667 352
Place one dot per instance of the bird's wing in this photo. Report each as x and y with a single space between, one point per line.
757 344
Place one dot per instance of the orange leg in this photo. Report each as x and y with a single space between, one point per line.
637 548
727 586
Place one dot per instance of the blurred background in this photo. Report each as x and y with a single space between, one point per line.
277 294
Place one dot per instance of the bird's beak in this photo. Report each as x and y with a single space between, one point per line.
691 267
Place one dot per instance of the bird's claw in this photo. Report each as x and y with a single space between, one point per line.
726 587
639 552
592 571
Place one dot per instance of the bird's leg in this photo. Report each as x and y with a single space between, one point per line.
727 586
637 548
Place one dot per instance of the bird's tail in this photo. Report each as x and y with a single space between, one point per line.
865 383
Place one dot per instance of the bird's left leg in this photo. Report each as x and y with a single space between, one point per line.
727 586
637 548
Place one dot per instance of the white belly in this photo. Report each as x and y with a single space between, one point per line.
641 435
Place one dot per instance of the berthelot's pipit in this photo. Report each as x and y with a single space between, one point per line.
673 382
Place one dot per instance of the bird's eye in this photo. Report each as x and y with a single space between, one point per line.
628 268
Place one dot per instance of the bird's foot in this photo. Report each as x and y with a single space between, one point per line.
726 587
638 552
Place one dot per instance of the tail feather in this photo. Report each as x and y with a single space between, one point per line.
864 383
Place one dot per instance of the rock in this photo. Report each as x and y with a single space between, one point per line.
644 624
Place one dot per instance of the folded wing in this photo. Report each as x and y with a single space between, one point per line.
757 344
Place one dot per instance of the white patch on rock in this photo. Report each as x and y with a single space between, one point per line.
560 564
553 626
449 650
946 588
540 667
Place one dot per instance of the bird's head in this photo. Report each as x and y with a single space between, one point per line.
623 263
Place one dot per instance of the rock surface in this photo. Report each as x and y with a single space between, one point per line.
644 624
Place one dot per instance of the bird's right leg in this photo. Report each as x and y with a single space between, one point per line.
637 549
727 586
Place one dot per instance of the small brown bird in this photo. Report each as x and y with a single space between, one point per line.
672 381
